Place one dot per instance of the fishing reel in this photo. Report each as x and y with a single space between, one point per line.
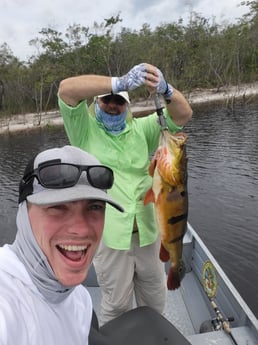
215 324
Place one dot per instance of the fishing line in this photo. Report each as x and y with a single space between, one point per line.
159 110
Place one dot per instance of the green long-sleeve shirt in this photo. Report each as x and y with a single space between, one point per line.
128 155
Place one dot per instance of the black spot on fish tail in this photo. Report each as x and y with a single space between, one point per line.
174 220
175 276
181 270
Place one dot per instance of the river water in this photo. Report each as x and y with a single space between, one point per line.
222 182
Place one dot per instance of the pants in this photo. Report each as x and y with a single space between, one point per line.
124 274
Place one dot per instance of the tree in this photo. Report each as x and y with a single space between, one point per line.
199 54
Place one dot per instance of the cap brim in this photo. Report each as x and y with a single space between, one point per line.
78 192
123 94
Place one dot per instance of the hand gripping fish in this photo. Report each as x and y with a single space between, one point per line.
169 194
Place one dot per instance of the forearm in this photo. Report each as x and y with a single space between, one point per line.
179 109
75 89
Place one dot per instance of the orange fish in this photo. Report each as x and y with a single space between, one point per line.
169 194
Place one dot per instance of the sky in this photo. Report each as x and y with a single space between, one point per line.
21 20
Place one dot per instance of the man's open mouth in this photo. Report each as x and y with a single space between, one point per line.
72 252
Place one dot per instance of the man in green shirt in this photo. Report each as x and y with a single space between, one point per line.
127 262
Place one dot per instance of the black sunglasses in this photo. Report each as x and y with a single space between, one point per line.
64 175
114 98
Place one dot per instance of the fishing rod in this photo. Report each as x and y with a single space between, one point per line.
224 322
159 110
210 285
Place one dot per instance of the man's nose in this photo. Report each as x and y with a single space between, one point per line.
79 224
112 104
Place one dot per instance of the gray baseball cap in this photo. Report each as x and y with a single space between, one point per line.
67 174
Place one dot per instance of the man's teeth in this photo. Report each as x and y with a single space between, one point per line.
72 248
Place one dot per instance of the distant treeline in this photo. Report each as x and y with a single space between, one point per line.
201 54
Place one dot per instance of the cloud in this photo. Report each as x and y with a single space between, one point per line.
21 20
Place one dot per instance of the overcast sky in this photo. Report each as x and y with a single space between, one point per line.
21 20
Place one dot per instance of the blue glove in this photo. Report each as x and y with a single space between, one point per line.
130 81
163 87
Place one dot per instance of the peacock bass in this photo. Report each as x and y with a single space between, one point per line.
169 194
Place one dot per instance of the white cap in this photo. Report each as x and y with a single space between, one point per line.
123 94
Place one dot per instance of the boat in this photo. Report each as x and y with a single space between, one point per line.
206 309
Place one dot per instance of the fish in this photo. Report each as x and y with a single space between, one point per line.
168 192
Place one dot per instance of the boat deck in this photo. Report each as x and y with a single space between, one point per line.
188 307
177 313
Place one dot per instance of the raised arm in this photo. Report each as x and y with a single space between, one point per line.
75 89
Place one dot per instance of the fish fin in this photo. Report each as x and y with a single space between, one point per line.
163 254
149 197
175 276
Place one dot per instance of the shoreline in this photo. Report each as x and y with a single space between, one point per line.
199 97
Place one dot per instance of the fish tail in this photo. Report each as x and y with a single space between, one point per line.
175 276
173 281
163 254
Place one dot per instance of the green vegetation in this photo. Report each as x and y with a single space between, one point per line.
201 54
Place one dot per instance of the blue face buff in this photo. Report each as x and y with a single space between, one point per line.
113 124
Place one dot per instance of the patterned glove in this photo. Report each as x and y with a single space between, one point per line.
164 88
130 81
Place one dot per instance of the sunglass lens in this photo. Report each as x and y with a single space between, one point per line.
114 98
119 100
106 99
58 176
100 177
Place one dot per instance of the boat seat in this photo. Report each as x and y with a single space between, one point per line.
142 325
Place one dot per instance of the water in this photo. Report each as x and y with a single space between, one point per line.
16 149
223 187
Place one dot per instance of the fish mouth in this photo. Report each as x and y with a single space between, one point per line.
73 252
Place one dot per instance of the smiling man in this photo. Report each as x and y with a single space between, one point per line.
60 220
